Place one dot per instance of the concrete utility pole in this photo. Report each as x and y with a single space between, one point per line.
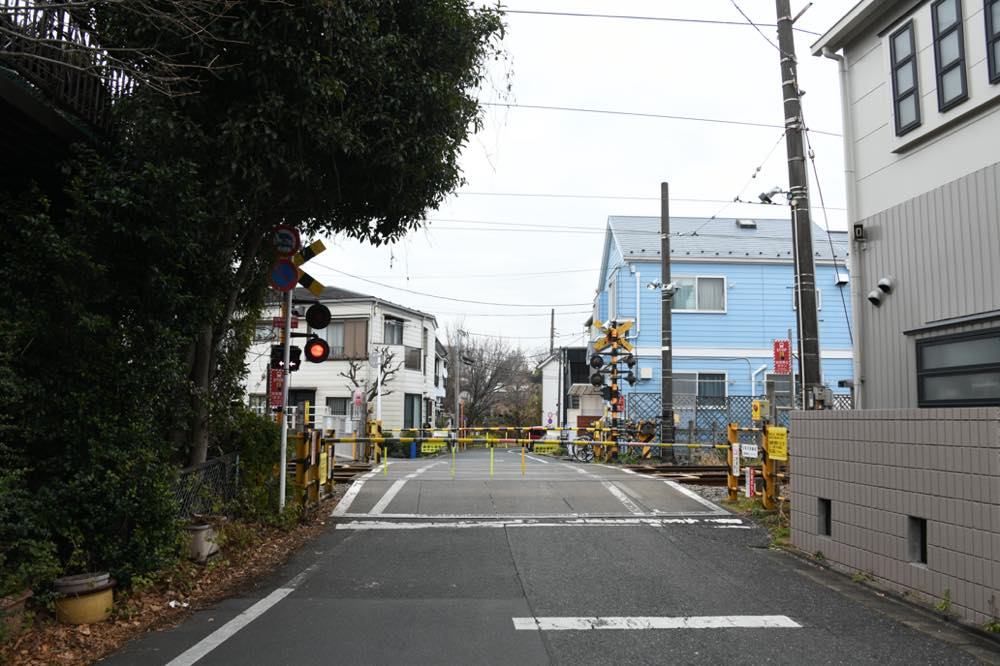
667 432
552 331
286 376
798 199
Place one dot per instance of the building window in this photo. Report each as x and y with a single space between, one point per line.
819 300
258 402
949 53
392 334
348 339
957 370
338 406
916 539
423 353
708 387
411 410
411 358
824 517
699 294
905 91
574 402
992 10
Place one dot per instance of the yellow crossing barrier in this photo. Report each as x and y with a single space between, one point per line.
431 445
546 447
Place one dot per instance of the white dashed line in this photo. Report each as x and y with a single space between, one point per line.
695 622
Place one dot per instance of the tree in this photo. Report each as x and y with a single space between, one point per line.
494 369
386 370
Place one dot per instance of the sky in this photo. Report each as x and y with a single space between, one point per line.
525 233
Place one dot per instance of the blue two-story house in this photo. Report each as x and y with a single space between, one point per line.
735 297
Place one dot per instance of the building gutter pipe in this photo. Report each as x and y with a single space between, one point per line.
857 304
753 379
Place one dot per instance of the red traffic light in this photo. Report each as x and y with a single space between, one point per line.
317 350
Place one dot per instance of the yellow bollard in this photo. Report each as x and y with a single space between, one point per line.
522 461
491 462
455 446
385 462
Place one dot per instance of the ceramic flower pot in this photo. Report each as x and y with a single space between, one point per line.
202 541
85 598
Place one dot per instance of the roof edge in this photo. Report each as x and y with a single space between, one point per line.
859 17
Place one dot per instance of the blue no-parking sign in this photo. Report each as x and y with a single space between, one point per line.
284 275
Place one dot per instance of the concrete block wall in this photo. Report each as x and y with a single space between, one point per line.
880 467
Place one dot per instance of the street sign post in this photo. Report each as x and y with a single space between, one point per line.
285 240
284 275
278 322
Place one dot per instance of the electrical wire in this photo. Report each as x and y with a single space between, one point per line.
485 275
600 196
829 238
667 19
636 114
755 27
447 298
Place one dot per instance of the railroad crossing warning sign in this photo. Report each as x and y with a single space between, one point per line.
777 443
612 334
285 240
306 280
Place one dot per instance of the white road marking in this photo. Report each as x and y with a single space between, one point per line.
527 516
352 493
623 498
394 489
695 496
197 652
366 525
544 462
694 622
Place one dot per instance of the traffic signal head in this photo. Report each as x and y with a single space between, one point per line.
318 316
295 359
630 378
630 360
317 350
596 361
597 379
277 356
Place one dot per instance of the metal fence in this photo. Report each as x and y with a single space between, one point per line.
705 419
208 488
49 45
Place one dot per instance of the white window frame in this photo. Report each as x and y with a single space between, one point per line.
697 310
402 332
697 378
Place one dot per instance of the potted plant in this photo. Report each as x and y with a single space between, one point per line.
203 537
84 598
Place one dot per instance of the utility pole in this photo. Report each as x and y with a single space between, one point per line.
667 433
798 199
552 331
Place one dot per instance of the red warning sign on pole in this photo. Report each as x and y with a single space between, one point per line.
274 389
782 357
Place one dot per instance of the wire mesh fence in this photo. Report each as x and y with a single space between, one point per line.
704 420
208 488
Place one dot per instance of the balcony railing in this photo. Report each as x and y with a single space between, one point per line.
52 49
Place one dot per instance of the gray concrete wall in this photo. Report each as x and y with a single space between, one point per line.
879 467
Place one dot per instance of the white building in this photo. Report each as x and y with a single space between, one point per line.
360 327
920 88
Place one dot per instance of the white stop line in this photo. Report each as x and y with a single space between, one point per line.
695 622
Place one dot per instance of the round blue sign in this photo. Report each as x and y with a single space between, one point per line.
284 275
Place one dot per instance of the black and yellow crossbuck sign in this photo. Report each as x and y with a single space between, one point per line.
301 257
614 333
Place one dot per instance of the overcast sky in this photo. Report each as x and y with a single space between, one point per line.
488 246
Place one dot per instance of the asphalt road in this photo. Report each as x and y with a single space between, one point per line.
549 563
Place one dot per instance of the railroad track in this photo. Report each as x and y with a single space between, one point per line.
703 475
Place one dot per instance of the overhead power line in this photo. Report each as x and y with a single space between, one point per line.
665 19
613 196
636 114
448 298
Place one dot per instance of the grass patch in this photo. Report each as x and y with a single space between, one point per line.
775 521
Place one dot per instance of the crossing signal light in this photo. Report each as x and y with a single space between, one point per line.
630 378
630 360
317 350
294 359
596 361
318 316
277 356
597 379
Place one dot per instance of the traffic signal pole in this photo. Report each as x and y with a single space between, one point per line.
286 376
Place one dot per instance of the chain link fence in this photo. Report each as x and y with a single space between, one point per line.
208 488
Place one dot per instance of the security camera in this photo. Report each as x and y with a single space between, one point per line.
653 286
670 288
875 297
886 284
